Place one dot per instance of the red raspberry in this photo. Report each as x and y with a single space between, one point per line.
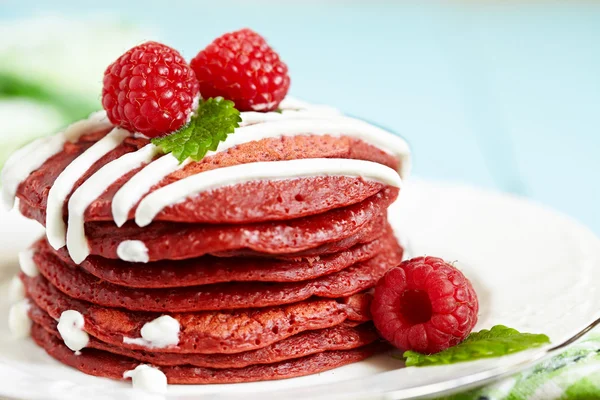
241 67
149 89
425 305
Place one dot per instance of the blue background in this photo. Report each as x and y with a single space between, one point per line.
498 95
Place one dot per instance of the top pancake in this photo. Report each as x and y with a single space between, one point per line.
252 201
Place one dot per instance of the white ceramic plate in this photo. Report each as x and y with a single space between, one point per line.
533 270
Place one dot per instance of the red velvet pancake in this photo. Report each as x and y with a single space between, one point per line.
201 332
209 270
359 306
374 229
104 364
81 285
248 202
340 337
319 233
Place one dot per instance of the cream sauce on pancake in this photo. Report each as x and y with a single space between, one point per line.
27 264
160 332
63 185
296 118
91 189
19 322
31 156
70 326
133 251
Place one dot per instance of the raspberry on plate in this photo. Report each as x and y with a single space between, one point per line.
150 89
425 305
241 67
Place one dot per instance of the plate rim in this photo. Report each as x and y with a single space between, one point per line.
448 386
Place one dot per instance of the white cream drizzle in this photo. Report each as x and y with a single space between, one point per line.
296 118
178 191
160 332
147 378
27 264
70 326
335 126
91 189
294 103
16 290
19 322
135 188
133 251
253 117
95 122
55 225
31 156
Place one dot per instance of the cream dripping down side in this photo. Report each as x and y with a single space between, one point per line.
296 118
91 189
147 378
131 193
31 156
160 332
63 185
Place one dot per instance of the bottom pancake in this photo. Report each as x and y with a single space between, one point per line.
341 337
104 364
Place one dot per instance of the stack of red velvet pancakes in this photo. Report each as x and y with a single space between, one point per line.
254 263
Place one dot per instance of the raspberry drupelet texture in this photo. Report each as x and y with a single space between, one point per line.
241 67
425 305
150 89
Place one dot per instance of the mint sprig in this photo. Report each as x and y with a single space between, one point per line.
498 341
214 119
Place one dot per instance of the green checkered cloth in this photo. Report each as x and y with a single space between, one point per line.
573 375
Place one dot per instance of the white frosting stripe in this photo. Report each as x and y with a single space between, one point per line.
335 126
33 155
92 188
296 118
19 322
178 191
70 326
55 226
256 126
97 121
147 378
16 290
133 251
253 117
293 103
27 264
23 162
158 333
140 184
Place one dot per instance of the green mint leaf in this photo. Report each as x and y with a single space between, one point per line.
214 119
498 341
